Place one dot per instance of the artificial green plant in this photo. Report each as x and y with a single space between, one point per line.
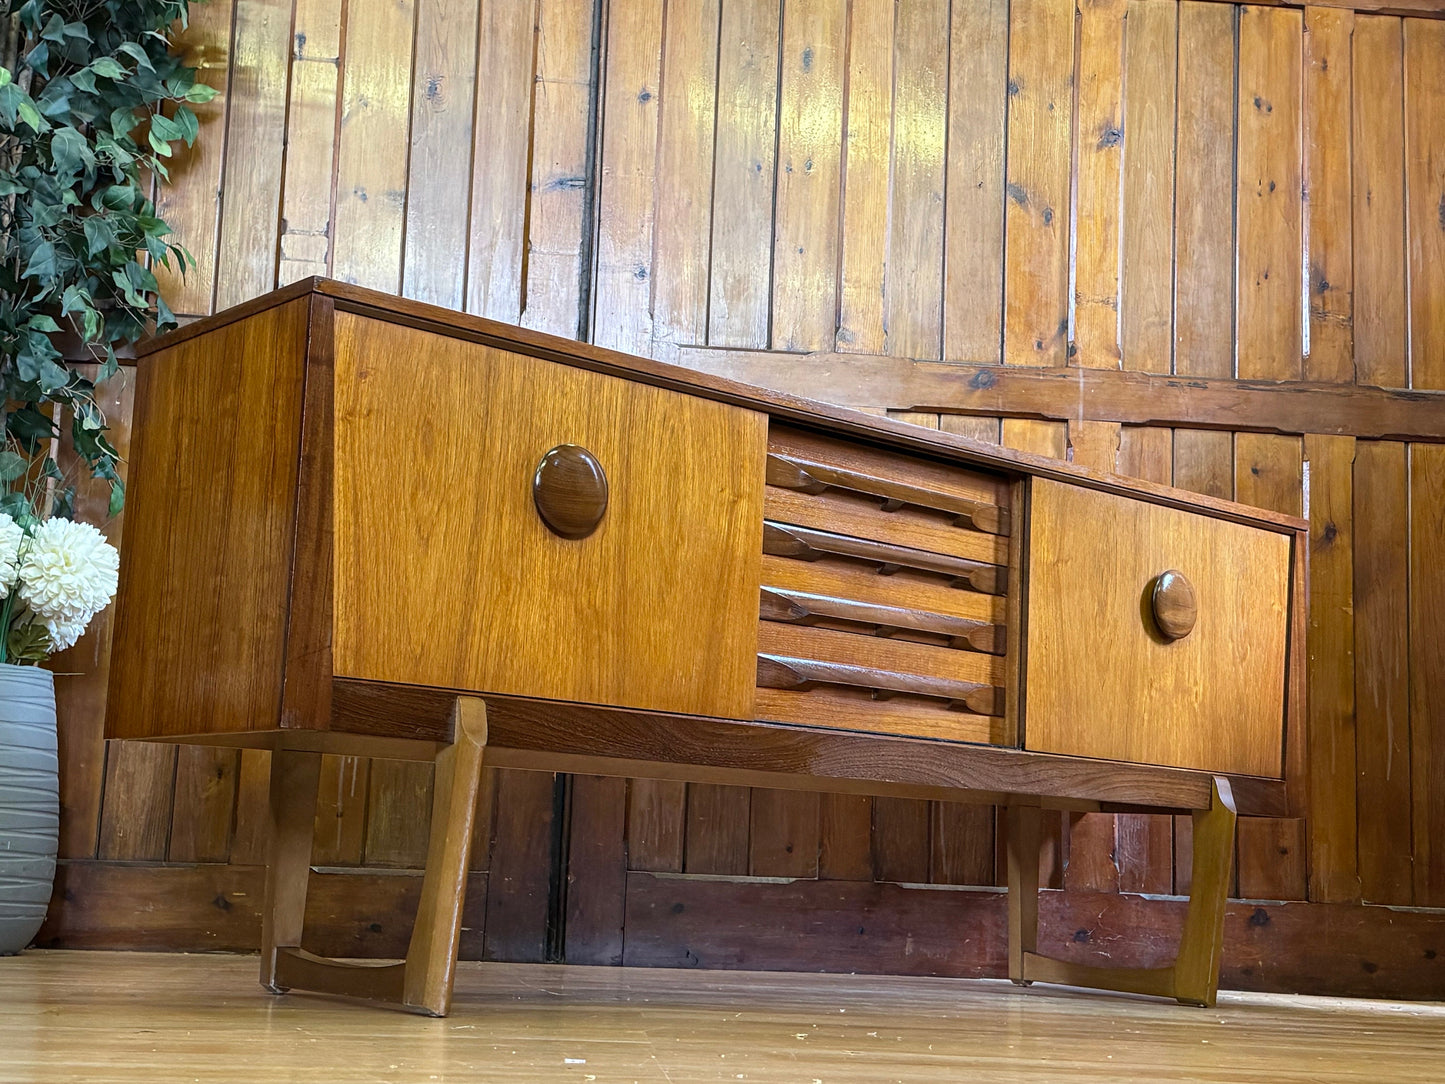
92 104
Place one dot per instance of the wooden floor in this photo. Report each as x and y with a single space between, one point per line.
99 1016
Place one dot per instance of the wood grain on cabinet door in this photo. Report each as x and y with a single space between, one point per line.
446 576
1102 682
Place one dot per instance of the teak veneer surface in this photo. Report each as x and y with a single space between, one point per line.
1103 682
201 614
447 577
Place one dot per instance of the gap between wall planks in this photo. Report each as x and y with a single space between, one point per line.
562 199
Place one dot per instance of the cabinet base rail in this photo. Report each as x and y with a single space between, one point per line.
423 982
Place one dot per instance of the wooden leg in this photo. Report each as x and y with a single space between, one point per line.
423 983
1196 969
1193 978
431 958
294 778
1024 831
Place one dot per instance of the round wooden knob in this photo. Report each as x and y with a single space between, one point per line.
1175 607
570 491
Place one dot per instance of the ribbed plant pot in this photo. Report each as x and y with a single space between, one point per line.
29 802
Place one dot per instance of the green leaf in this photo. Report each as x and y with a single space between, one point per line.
117 498
99 234
30 115
166 128
42 262
134 50
200 94
12 466
108 67
5 77
41 322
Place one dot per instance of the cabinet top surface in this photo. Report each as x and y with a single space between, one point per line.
330 295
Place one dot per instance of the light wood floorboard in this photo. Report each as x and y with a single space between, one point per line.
99 1016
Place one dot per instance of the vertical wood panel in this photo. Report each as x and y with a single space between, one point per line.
867 159
191 202
810 125
396 824
1328 183
1100 148
1427 670
519 884
656 823
623 279
311 115
1149 187
1379 202
437 197
1272 852
920 124
1204 187
743 173
135 823
366 240
596 871
501 138
339 836
973 242
560 177
1382 661
1425 188
961 844
246 251
783 837
845 851
1270 338
901 846
204 803
717 829
684 176
1330 650
1040 127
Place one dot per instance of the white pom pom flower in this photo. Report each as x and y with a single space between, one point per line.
11 535
68 573
64 633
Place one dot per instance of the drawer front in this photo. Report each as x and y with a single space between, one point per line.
446 575
883 601
1102 678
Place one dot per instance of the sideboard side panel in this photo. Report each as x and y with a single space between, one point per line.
201 613
446 576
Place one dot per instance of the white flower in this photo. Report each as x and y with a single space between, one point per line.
63 633
68 572
11 535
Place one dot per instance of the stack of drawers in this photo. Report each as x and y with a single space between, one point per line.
884 578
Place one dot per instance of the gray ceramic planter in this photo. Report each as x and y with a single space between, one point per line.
29 802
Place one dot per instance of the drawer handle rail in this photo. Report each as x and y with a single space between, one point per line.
801 608
781 672
806 544
788 472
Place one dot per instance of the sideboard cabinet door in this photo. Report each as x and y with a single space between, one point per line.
625 572
1188 671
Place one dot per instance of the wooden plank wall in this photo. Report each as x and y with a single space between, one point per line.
810 189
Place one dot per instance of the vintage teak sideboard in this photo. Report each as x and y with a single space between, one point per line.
358 524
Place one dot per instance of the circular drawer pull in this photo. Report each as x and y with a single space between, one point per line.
570 491
1174 605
